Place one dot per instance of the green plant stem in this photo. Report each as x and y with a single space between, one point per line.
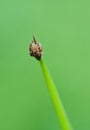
55 98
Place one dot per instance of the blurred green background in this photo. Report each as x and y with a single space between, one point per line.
63 28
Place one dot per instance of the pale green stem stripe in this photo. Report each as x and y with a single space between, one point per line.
65 124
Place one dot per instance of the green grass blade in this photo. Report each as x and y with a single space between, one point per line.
65 124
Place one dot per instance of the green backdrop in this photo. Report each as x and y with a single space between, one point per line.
63 28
